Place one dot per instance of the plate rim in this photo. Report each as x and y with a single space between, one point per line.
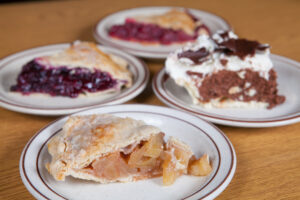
223 120
145 53
7 104
226 179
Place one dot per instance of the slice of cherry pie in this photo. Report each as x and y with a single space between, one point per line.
174 26
81 69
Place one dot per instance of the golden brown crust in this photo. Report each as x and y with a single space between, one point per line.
88 55
174 19
86 138
106 148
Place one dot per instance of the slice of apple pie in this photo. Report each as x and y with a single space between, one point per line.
105 148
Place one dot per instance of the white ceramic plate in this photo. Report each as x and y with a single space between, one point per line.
213 22
47 105
199 134
288 72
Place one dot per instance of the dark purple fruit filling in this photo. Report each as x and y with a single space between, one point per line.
134 31
61 81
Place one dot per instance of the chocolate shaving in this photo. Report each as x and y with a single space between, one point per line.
225 35
240 47
198 57
224 62
191 73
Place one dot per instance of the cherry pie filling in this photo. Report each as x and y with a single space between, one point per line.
61 81
142 32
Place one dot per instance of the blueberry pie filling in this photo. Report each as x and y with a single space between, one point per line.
61 81
81 69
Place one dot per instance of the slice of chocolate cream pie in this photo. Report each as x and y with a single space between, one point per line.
226 71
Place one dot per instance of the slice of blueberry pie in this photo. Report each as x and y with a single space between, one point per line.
174 26
81 69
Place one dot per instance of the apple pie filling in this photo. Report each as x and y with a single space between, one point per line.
149 159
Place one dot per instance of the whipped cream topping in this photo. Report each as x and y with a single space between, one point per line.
177 66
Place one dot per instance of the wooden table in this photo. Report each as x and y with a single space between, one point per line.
268 159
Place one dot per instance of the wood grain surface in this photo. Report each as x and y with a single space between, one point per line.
268 159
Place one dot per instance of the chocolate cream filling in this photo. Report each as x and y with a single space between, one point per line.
245 85
249 86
